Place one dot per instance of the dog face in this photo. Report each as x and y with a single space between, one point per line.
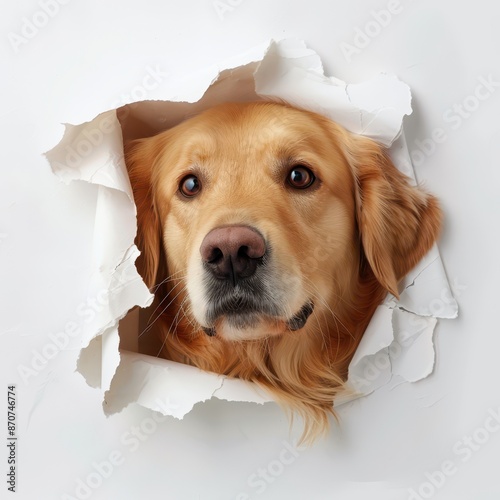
260 230
275 233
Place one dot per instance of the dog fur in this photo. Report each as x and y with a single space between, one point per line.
340 244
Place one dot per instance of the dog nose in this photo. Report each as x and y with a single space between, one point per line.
232 252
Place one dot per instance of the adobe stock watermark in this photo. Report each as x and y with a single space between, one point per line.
130 441
86 312
92 137
31 25
439 304
260 480
454 117
59 341
463 450
223 7
363 36
379 363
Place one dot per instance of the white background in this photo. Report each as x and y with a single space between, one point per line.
82 61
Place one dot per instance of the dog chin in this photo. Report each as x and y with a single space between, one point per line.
254 325
241 328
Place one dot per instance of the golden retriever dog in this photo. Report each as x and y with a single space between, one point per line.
270 235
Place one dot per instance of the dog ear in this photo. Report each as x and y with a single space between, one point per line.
398 223
139 158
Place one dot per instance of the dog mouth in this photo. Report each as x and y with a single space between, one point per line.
241 309
247 312
300 319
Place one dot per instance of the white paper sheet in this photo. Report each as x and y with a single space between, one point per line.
398 340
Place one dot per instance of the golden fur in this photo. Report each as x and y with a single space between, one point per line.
342 243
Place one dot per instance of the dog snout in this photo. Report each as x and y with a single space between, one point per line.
232 253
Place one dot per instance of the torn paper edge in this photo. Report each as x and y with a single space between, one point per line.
105 167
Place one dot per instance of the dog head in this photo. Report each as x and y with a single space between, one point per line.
265 213
272 234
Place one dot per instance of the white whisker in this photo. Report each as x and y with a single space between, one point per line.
150 325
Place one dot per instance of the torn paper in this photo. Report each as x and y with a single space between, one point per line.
399 339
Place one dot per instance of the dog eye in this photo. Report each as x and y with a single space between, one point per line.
300 177
190 186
